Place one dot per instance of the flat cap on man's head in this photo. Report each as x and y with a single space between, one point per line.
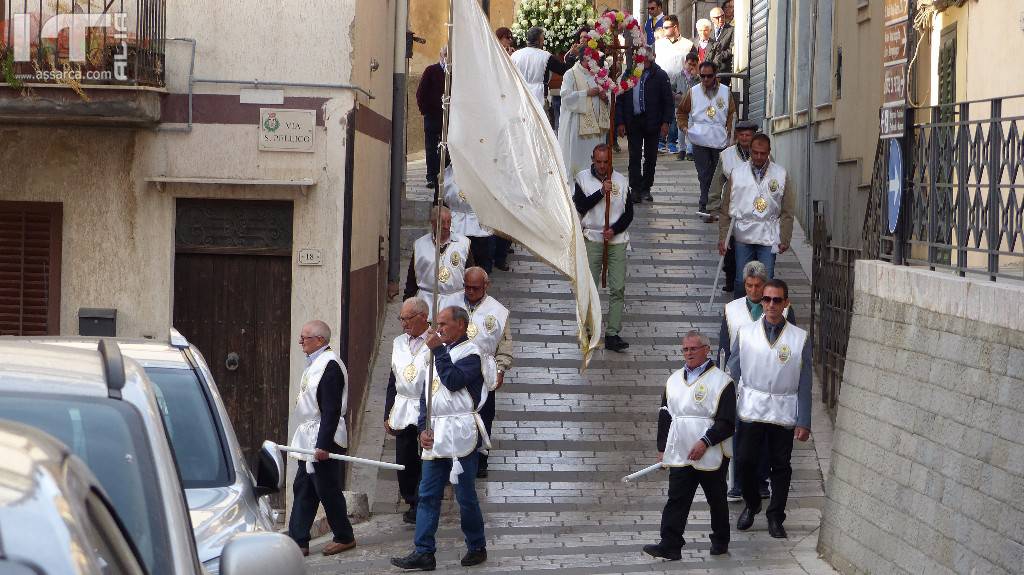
747 125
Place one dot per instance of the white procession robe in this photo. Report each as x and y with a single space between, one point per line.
307 411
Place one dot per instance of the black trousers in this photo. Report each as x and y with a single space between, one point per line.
431 138
501 247
482 249
324 486
643 156
729 265
682 486
777 441
487 414
706 160
407 453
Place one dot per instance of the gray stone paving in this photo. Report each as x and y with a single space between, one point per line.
562 440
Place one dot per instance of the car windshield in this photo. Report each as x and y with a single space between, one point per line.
190 423
110 437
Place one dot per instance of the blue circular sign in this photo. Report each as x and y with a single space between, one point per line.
895 182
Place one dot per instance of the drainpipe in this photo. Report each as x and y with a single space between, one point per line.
808 204
191 73
403 51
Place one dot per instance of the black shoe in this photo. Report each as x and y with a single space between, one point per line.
662 552
417 561
765 492
410 515
689 157
717 549
703 212
734 495
681 156
503 266
746 518
474 558
729 286
776 530
615 343
481 473
647 196
432 185
638 199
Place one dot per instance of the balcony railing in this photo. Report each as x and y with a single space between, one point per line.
965 210
82 42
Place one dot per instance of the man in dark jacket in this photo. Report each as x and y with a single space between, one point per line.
721 48
643 114
428 98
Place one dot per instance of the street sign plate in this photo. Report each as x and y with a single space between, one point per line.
896 11
894 48
895 187
894 85
892 120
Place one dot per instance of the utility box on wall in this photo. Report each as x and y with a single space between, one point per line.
97 322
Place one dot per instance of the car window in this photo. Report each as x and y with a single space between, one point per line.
110 437
189 419
112 551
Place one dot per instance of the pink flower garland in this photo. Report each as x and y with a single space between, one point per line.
593 61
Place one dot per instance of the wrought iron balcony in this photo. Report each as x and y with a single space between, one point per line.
97 61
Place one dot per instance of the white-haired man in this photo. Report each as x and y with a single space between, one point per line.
320 414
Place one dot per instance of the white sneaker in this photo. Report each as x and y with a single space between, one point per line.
703 213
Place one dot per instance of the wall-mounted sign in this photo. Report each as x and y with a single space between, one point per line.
894 48
895 187
892 121
894 85
311 257
896 11
282 130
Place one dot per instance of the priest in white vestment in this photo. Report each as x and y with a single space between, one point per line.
584 119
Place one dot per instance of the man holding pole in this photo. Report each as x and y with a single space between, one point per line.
451 432
320 413
606 211
698 411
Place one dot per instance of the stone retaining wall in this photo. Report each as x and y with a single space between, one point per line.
927 471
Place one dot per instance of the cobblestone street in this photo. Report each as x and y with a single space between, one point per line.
563 440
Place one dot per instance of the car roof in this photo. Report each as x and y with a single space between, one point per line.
41 368
149 353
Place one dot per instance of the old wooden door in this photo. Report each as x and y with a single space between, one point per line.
232 300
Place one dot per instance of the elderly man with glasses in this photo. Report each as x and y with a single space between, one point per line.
320 412
771 361
409 367
697 416
721 49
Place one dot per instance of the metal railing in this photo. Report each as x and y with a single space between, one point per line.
832 274
123 44
965 188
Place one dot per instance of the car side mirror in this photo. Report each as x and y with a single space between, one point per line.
261 552
269 470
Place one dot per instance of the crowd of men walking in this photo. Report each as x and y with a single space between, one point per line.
742 411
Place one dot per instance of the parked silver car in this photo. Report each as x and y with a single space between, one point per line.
54 515
104 408
223 497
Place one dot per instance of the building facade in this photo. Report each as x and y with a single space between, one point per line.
234 186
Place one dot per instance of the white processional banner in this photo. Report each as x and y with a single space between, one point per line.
507 161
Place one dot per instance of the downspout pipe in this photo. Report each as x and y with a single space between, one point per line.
403 51
808 203
191 77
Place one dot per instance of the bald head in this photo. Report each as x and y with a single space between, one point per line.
476 282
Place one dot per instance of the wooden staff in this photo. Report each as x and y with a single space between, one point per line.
436 224
608 197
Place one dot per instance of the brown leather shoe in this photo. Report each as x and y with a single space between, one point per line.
305 551
334 547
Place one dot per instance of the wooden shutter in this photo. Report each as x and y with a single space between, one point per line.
30 244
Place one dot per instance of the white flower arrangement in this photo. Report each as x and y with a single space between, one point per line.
560 19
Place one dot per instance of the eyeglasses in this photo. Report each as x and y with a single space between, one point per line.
774 300
707 75
303 338
404 318
717 17
668 26
693 349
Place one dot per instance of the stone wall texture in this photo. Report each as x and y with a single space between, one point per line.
927 471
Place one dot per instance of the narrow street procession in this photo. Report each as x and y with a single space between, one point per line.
511 286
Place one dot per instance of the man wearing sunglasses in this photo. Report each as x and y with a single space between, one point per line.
771 361
706 114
